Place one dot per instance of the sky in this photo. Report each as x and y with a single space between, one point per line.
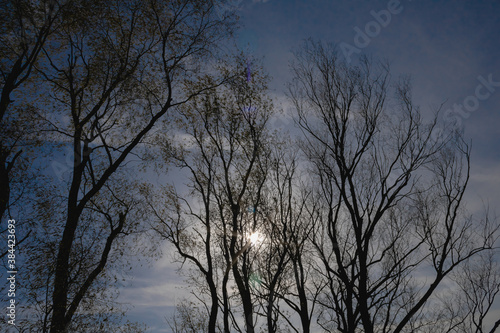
451 50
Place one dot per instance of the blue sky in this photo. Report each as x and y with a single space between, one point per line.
446 47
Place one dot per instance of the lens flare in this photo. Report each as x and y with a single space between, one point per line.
255 238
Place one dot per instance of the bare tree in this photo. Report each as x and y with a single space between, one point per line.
241 181
286 260
273 258
479 283
374 243
392 196
223 153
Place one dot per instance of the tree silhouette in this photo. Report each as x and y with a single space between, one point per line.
356 224
110 72
364 230
391 196
225 159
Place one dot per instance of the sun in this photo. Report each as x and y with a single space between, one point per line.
255 238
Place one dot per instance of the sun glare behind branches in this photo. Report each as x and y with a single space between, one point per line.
256 238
